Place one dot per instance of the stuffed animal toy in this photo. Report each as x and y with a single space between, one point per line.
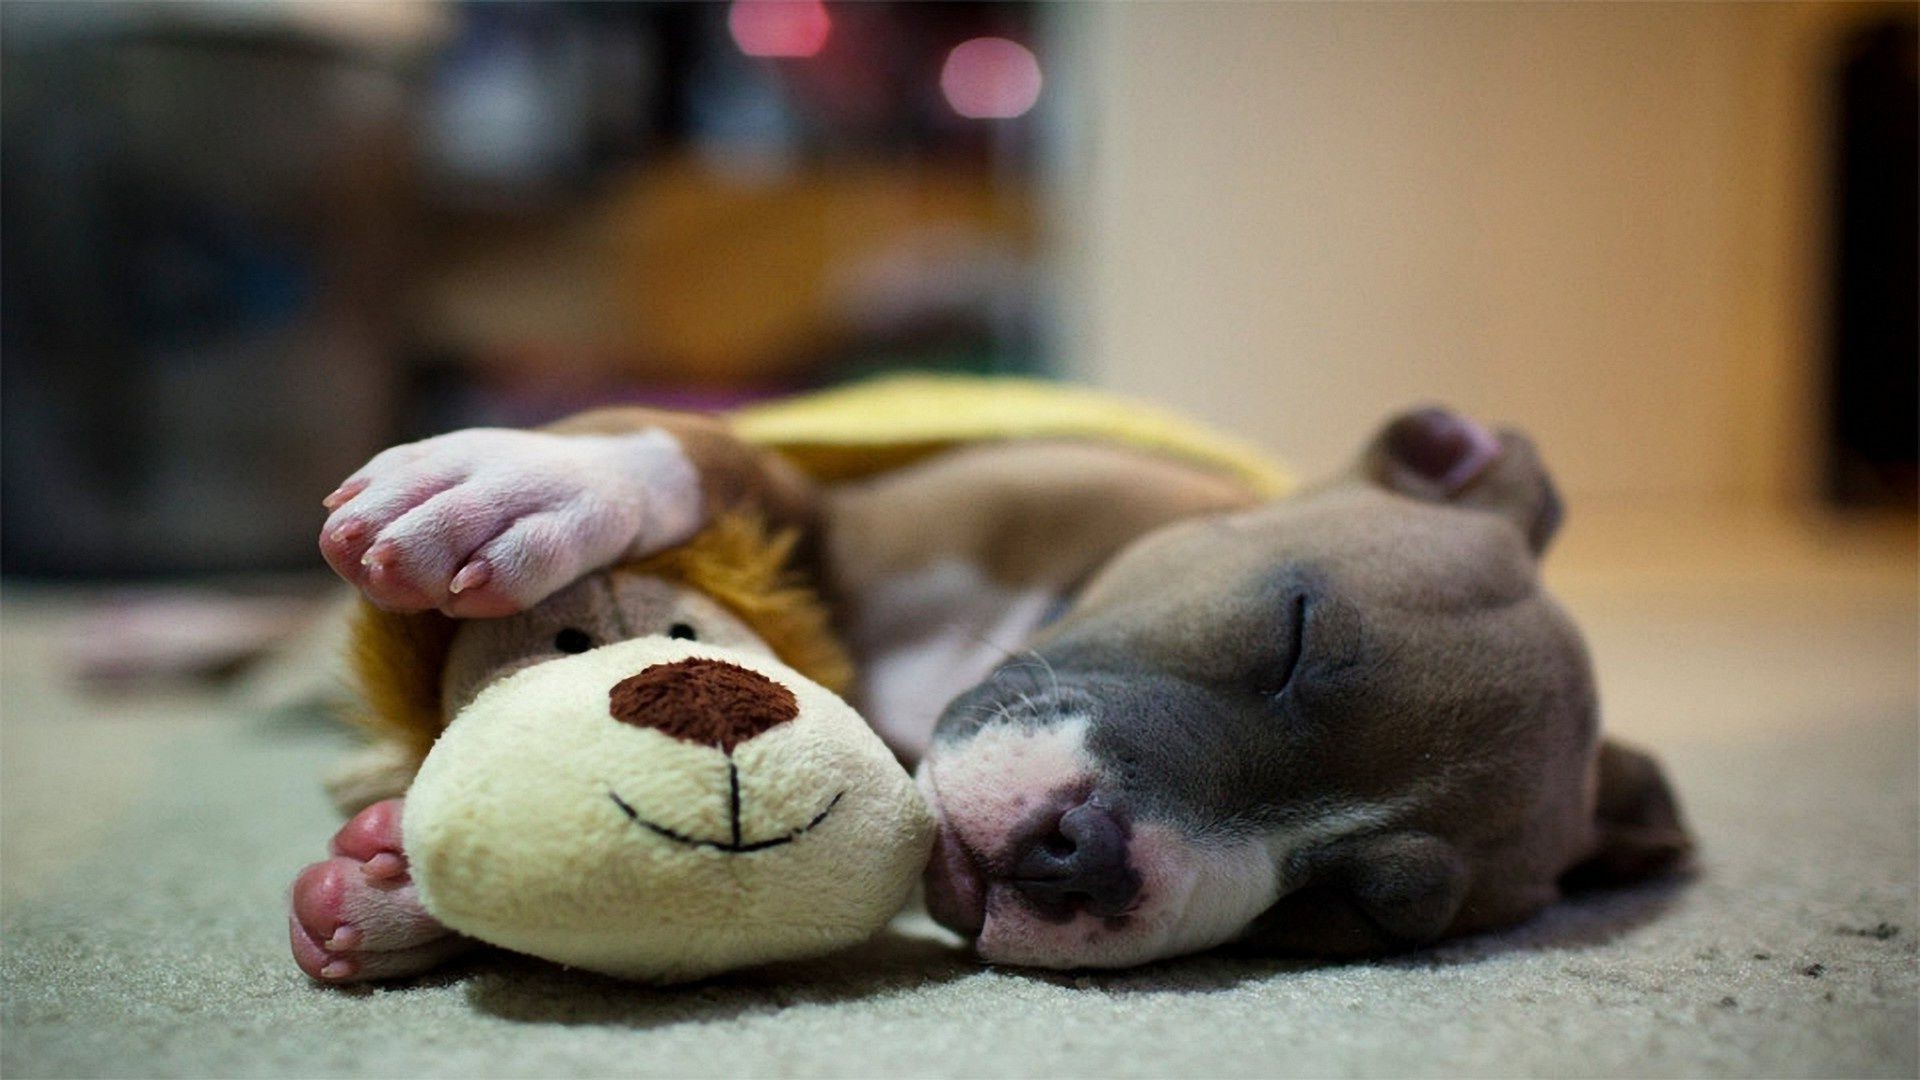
758 817
650 773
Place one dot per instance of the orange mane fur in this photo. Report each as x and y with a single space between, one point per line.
396 661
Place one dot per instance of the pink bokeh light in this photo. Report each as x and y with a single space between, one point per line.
991 78
789 28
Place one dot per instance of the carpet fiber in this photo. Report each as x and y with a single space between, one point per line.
149 840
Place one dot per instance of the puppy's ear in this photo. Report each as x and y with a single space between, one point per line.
1438 455
1637 823
1375 894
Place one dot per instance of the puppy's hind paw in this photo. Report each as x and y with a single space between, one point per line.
357 916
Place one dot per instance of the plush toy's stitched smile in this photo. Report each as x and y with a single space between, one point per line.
736 845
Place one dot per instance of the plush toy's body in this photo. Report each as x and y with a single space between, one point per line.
1171 711
648 774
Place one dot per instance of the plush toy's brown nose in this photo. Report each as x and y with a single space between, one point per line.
702 701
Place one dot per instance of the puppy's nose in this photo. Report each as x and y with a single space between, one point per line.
1079 864
702 701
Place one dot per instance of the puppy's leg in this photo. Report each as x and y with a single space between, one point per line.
486 522
357 915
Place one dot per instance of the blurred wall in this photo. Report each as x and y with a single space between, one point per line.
1599 221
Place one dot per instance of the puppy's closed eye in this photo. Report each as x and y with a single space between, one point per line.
1296 632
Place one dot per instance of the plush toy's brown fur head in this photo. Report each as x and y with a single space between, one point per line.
397 660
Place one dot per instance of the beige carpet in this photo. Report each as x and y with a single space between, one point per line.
146 841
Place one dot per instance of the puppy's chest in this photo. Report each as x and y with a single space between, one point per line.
925 636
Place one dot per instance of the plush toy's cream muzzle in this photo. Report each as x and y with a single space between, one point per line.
662 810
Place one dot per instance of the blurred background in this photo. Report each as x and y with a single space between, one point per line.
244 246
247 246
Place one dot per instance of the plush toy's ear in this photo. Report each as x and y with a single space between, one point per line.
396 663
749 569
1372 894
1637 823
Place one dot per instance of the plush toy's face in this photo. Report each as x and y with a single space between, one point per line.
658 806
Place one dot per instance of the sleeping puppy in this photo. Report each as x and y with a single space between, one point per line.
1153 713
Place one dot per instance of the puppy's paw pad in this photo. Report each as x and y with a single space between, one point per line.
372 833
346 925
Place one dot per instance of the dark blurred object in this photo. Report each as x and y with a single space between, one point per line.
687 273
1875 387
200 212
803 200
248 245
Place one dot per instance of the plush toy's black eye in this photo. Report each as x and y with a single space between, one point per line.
572 641
682 631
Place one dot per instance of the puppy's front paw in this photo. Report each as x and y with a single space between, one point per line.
488 522
357 915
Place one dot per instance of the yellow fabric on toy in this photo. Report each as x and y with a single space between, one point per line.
886 423
544 823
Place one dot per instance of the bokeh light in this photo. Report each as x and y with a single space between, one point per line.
991 78
790 28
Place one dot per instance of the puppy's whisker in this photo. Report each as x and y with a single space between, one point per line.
984 709
996 714
1045 663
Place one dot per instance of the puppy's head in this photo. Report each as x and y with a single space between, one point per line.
1342 723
